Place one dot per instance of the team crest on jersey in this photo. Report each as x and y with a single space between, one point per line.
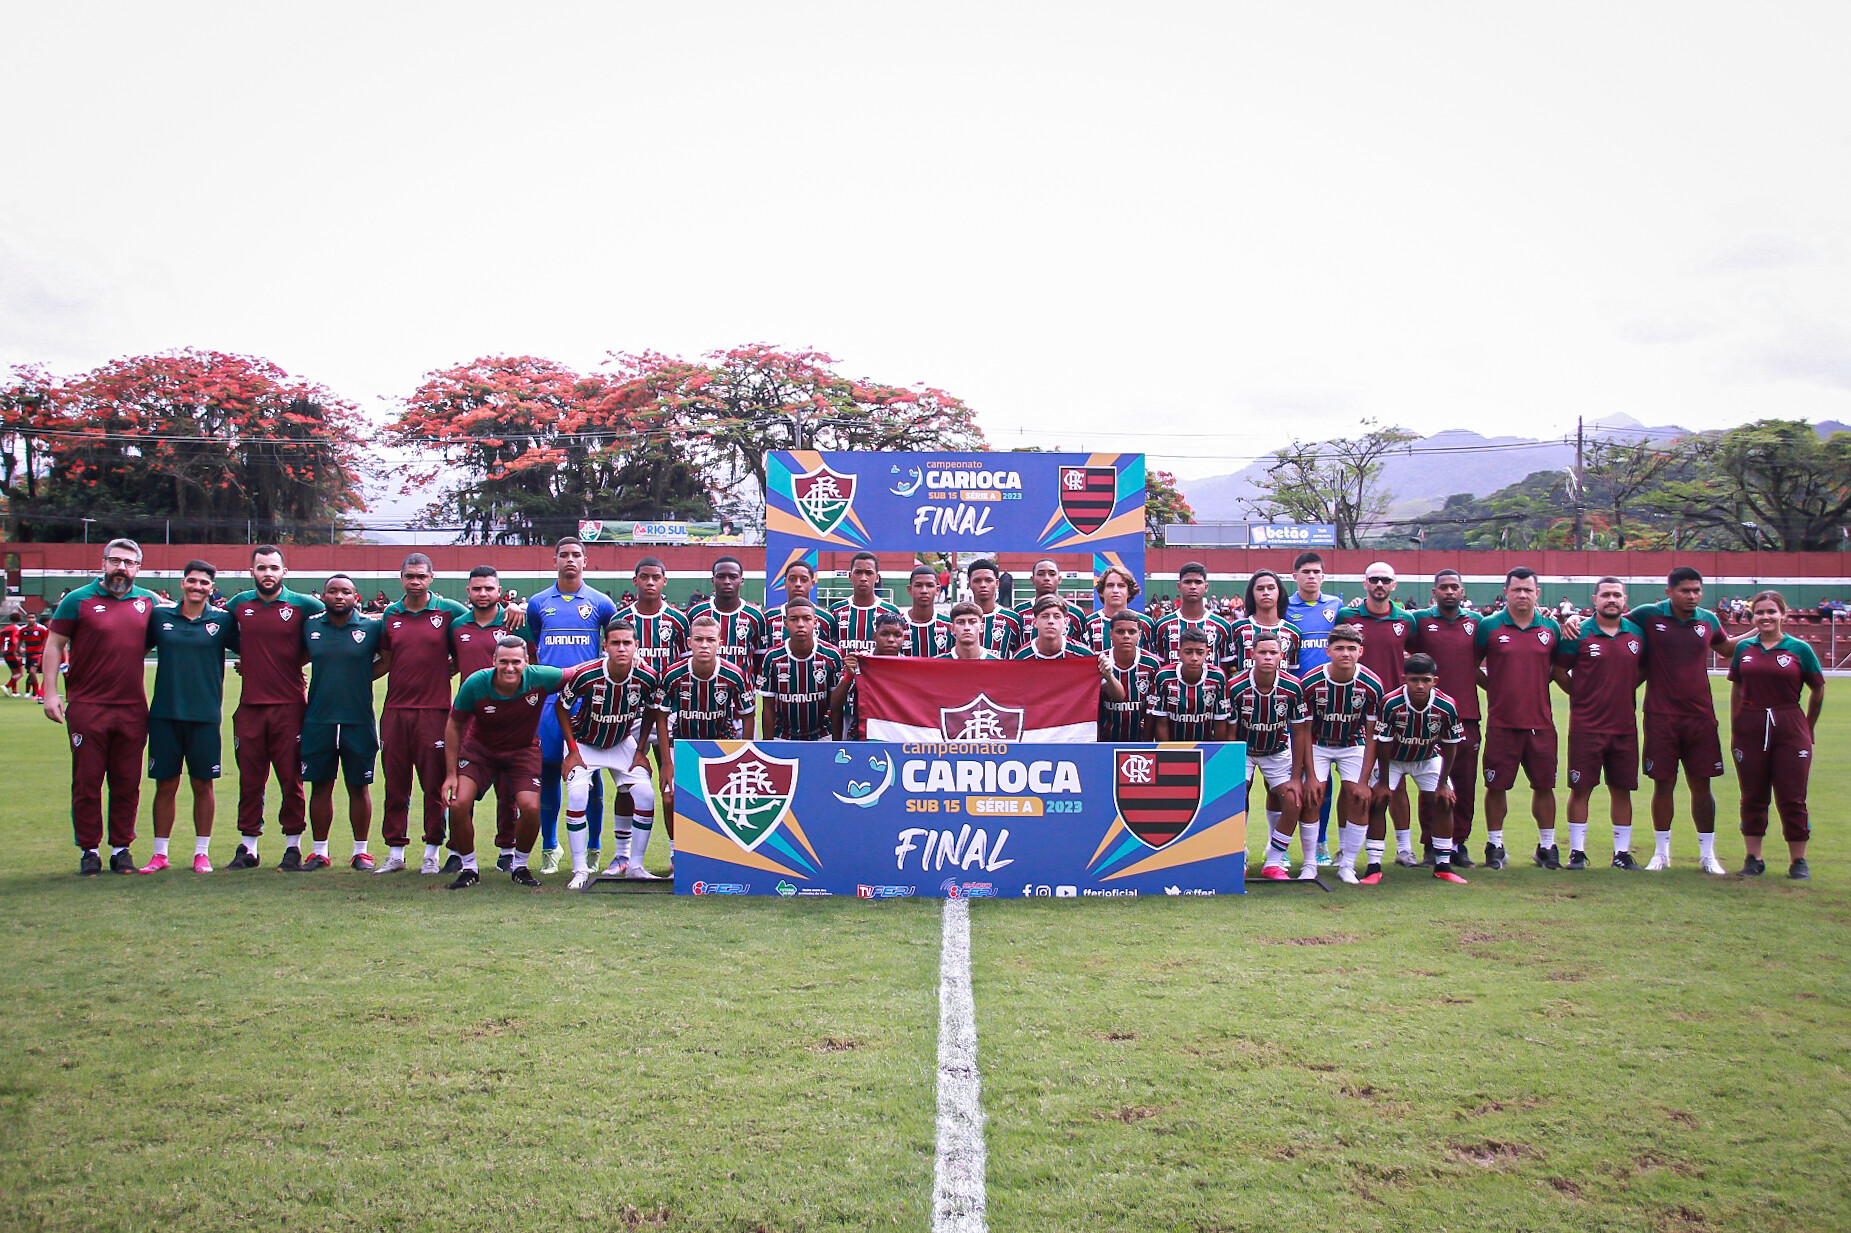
749 793
1087 495
1785 661
77 740
980 719
1398 627
359 635
141 606
1632 644
1700 629
436 620
212 627
1542 636
533 699
823 498
286 612
585 610
1158 792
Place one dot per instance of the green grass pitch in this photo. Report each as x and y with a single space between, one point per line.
1534 1051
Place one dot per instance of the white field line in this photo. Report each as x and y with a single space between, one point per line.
959 1200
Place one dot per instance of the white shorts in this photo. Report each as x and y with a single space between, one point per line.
1348 761
616 760
1426 775
1274 768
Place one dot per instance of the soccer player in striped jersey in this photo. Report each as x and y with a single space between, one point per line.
1116 588
661 628
1600 671
928 634
1265 615
501 709
798 679
1416 733
1387 627
1445 633
1342 698
1135 670
745 633
1003 631
1046 579
800 580
706 697
1189 698
612 706
1051 641
1772 739
1192 613
967 633
856 616
889 639
1516 648
1266 709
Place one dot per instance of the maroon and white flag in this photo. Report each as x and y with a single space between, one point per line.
1047 700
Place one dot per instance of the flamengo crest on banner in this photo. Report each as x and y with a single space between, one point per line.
1087 495
1158 791
749 793
823 497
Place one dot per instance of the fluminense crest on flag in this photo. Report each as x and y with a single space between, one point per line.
749 793
981 719
1157 791
823 498
1087 495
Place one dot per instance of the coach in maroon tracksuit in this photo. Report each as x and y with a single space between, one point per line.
1770 735
417 633
266 729
102 629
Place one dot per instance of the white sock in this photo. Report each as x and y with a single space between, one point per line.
321 847
1376 849
160 847
507 852
576 838
469 861
1622 839
620 841
1351 843
1545 836
520 860
359 846
293 842
1404 842
1442 848
1308 842
1577 836
1661 843
433 851
642 842
249 844
1495 838
201 843
1277 845
1706 845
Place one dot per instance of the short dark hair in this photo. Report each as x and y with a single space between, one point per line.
865 555
982 563
927 570
655 561
1420 664
719 561
1620 582
1265 635
1191 636
799 601
802 563
1520 572
484 571
200 567
265 550
1046 602
1681 575
1192 567
563 540
1447 573
508 642
416 558
885 619
964 608
348 578
618 625
1306 558
1346 632
1125 617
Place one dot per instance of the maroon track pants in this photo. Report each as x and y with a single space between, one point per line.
412 740
1773 757
106 745
266 736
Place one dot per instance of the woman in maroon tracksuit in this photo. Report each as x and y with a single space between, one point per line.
1772 740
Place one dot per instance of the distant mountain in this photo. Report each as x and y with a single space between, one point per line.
1440 465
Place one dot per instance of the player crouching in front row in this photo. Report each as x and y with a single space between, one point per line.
501 707
1417 735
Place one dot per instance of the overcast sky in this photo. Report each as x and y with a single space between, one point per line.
1191 229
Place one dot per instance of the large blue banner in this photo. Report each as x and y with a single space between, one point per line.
983 503
800 819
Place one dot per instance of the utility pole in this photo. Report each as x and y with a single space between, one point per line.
1580 446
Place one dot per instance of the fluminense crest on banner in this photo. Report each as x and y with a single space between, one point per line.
823 498
980 719
1158 791
749 793
1087 495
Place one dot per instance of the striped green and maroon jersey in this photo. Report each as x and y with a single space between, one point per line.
1518 662
1607 669
505 723
1385 639
930 640
1099 631
745 634
1220 632
1076 625
1069 650
270 645
1002 632
661 637
825 625
1418 734
1247 629
1770 678
1263 718
1677 659
606 711
108 638
709 708
1341 711
1126 721
1192 707
473 644
855 625
1450 640
422 661
797 690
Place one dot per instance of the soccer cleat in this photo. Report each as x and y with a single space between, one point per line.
1800 871
504 862
1753 867
1710 865
244 858
454 864
1308 872
466 879
155 864
316 862
1462 859
619 868
1274 873
1406 860
89 865
1429 859
549 861
1549 857
1495 856
1445 874
524 877
1372 876
121 862
593 858
202 863
364 862
638 871
394 864
292 861
1624 860
1577 860
1323 854
431 865
580 880
1346 872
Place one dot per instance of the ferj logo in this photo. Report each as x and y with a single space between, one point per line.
749 793
823 498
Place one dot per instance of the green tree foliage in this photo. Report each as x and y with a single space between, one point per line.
1164 504
1773 483
1337 482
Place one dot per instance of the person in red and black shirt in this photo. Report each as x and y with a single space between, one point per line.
102 630
11 646
32 650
